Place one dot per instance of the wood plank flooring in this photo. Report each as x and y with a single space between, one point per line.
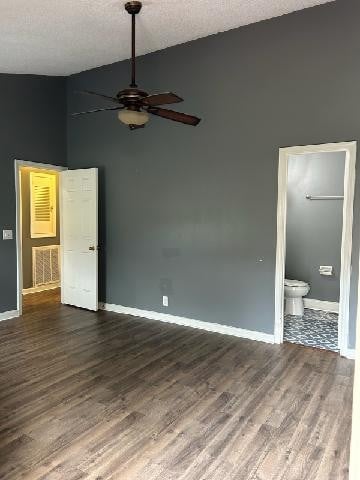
104 396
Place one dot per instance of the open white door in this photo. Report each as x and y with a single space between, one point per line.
79 213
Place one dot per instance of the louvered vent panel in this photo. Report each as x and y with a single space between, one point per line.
42 203
46 267
55 262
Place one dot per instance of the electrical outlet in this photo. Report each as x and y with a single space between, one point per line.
165 301
7 234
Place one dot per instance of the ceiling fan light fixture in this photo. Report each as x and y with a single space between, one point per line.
133 117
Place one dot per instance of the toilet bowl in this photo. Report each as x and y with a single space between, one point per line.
294 291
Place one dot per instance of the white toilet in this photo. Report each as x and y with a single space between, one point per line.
294 291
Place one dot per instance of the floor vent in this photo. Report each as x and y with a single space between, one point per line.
46 265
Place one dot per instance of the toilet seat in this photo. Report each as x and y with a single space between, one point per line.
294 283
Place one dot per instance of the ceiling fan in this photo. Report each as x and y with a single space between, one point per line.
134 105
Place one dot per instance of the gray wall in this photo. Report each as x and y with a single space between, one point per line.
191 211
32 127
27 241
314 228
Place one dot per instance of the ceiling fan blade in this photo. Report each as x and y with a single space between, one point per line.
175 116
97 110
106 97
162 99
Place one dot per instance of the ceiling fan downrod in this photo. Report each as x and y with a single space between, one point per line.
133 8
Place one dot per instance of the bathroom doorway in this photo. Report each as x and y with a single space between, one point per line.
314 242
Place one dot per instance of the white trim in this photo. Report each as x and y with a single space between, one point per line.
9 314
189 322
42 288
42 228
280 249
346 245
322 305
349 353
354 468
17 165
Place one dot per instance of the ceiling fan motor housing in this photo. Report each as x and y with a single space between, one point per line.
131 96
133 7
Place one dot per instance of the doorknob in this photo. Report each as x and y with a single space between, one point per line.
92 248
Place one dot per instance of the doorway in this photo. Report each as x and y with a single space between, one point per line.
38 234
324 275
70 236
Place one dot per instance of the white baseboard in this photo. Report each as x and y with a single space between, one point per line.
189 322
321 305
349 353
9 314
41 288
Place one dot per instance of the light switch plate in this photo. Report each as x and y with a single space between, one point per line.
7 234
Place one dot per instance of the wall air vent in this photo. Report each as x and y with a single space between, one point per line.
46 265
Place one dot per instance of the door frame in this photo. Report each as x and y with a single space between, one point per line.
346 243
18 164
354 468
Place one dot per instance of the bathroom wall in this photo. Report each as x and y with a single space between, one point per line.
314 227
27 241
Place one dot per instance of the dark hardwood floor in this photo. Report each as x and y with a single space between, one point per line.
104 396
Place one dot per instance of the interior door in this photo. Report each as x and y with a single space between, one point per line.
79 213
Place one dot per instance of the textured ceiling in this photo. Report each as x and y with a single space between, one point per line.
60 37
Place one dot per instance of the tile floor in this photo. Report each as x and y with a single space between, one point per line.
315 329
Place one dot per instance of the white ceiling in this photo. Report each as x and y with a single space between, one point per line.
60 37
